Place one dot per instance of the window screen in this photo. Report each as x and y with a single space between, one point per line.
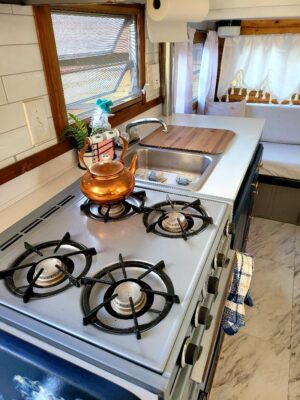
98 57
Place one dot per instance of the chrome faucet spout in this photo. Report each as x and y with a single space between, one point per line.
146 121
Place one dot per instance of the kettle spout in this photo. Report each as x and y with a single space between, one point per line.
133 164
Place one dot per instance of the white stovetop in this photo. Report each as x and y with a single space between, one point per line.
224 181
187 266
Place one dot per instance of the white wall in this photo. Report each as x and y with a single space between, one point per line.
21 78
247 9
152 62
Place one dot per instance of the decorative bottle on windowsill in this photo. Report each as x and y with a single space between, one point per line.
100 124
79 131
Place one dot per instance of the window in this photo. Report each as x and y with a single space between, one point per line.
261 68
127 78
92 50
98 57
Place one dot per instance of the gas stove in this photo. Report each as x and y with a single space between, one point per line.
119 286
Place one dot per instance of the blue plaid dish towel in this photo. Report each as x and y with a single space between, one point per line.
239 295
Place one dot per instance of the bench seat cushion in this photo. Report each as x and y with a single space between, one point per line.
282 160
282 122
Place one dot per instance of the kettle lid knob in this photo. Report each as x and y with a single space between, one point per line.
105 158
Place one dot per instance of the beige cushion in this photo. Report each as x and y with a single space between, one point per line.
281 160
234 109
282 122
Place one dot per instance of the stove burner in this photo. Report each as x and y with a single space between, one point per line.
120 307
48 268
176 218
50 275
129 304
126 290
175 222
114 212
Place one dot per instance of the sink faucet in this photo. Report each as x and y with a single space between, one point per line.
146 121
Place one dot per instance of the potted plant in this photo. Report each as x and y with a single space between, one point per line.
79 132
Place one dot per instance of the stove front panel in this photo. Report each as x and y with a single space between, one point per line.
184 263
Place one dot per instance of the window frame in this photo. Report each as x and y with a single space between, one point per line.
138 16
122 112
46 36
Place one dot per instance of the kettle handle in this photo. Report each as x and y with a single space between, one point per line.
82 152
124 150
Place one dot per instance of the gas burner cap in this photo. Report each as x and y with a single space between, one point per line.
51 274
125 290
176 218
171 223
114 211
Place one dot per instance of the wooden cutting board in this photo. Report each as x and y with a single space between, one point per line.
213 141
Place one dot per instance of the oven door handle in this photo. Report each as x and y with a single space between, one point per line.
201 368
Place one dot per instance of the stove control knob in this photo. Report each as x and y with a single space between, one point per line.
213 285
201 316
220 260
229 229
189 354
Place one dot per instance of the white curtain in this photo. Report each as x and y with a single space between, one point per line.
270 63
208 71
183 75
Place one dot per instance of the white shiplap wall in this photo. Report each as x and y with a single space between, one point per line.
21 78
152 59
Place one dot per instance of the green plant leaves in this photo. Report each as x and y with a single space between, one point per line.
78 130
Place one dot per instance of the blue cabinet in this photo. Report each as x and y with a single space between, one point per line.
244 202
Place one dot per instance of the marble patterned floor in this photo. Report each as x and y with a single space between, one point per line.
262 362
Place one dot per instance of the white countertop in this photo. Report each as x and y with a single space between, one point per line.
224 181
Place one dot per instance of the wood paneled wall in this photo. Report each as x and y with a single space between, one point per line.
270 26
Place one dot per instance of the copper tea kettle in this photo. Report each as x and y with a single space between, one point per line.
108 182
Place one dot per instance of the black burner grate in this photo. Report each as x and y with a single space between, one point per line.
195 217
103 289
130 206
48 268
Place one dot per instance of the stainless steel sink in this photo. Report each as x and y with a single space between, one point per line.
172 168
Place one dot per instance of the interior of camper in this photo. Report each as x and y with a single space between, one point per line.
150 199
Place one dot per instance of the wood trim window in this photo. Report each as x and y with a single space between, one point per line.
46 36
51 64
261 27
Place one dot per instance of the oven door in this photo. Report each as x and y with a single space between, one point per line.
204 368
31 373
